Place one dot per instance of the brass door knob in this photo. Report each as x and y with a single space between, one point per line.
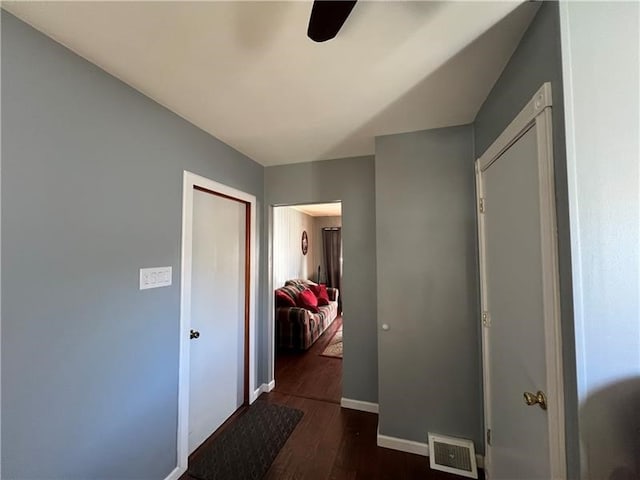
194 334
536 398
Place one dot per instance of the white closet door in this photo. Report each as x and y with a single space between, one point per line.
519 448
216 384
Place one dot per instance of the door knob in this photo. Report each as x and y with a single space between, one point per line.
536 398
194 334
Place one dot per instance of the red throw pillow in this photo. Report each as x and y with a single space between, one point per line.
320 291
284 300
307 299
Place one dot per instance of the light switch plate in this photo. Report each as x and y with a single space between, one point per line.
155 277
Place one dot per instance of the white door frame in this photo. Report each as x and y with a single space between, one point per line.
536 114
189 181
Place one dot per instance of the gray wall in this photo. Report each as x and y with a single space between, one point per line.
351 181
601 51
537 60
429 361
91 192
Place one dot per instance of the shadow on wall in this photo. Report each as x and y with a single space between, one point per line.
610 432
440 91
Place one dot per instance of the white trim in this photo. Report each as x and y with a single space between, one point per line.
486 374
402 445
271 309
359 405
175 474
540 101
411 446
0 259
536 114
189 181
264 388
551 295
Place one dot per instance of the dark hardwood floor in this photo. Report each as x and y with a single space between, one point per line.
334 443
308 374
330 442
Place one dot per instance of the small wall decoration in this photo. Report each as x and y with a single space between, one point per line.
305 242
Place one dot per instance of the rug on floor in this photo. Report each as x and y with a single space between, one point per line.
334 348
247 447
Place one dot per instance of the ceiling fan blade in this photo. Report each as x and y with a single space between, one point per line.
327 18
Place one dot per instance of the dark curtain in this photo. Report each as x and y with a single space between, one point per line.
332 243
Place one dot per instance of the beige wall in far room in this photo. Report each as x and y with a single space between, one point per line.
288 260
319 224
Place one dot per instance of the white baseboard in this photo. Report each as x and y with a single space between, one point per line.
175 474
264 388
410 446
403 445
359 405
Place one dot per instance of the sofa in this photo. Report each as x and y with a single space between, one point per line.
298 328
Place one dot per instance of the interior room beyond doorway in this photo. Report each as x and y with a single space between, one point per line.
307 280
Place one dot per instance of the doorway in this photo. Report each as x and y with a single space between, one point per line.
522 359
218 309
308 343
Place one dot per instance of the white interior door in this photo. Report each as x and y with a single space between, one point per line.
217 356
520 313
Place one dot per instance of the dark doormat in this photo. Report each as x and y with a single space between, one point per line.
246 449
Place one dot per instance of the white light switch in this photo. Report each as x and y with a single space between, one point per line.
155 277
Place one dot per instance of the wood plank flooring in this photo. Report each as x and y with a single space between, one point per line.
333 443
330 442
308 374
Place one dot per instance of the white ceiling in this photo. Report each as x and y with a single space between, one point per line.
321 209
246 72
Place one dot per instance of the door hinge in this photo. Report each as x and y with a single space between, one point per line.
481 205
488 436
486 319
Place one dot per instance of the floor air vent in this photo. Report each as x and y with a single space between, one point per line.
453 455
